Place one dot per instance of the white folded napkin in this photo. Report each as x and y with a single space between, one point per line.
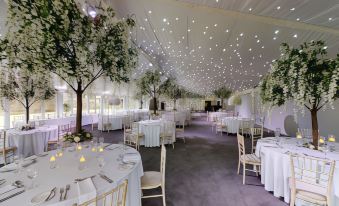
86 191
131 157
8 191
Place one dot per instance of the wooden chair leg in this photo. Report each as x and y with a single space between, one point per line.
244 173
163 196
238 166
292 201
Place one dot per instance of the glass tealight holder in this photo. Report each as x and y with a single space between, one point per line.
82 163
299 139
331 141
52 162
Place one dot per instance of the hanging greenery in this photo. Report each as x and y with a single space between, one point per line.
305 76
71 44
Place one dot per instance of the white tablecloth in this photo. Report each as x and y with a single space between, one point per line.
115 121
86 120
32 141
152 129
234 123
213 115
67 171
275 166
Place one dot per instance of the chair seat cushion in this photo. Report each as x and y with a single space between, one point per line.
311 197
150 180
250 158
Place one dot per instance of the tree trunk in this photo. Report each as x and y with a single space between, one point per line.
141 103
174 105
27 114
27 109
315 132
155 105
222 103
78 124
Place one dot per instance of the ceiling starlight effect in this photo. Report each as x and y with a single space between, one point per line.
208 44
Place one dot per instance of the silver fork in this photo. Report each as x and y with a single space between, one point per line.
61 191
67 188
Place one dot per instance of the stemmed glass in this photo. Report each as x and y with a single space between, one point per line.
101 162
18 161
32 173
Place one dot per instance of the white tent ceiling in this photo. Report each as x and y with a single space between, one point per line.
209 43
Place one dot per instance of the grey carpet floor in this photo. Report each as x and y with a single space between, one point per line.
202 172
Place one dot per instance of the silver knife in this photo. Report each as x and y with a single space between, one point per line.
13 195
106 178
50 194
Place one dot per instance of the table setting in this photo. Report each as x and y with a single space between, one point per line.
275 162
233 124
72 175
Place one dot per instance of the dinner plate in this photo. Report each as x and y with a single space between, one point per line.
40 198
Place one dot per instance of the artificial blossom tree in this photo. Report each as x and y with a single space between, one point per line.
222 93
173 91
151 84
304 75
25 87
76 46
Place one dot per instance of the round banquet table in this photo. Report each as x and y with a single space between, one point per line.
33 141
234 123
276 170
67 171
152 129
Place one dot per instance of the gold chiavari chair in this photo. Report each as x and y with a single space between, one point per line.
246 159
220 127
154 179
5 150
133 138
180 131
168 132
256 133
311 179
115 197
245 127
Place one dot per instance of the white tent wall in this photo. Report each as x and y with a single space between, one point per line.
283 117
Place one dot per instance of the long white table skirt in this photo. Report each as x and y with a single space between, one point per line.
32 142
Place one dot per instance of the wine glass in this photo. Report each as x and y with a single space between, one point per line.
32 173
121 147
101 141
101 162
18 161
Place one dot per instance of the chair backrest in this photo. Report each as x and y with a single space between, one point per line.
115 197
256 133
246 124
135 128
3 144
241 144
163 164
312 174
169 128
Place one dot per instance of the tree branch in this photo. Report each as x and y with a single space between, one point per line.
65 81
100 72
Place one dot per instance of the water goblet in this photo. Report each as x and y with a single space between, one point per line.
101 162
32 173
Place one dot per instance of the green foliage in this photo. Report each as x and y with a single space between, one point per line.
222 92
150 84
172 90
304 75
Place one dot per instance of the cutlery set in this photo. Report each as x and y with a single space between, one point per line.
62 190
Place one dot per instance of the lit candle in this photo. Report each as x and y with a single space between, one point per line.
331 138
52 159
299 135
82 159
94 149
101 149
321 141
79 147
